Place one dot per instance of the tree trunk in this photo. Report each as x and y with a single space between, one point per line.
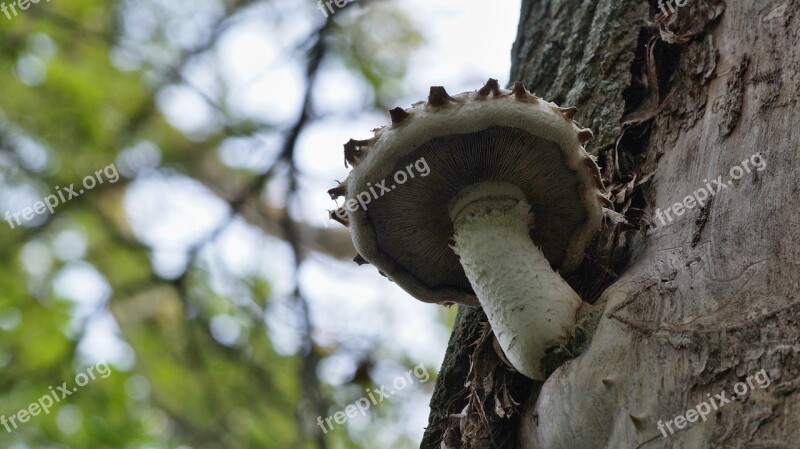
699 300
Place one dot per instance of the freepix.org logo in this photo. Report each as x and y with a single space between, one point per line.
11 8
54 396
712 404
61 196
376 396
379 189
701 196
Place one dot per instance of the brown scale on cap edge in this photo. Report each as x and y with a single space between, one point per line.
519 91
438 97
491 87
360 260
353 152
399 115
568 113
340 215
338 191
585 135
521 94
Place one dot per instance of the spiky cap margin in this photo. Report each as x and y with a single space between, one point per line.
376 158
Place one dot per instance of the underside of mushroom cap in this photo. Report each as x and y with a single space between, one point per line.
491 135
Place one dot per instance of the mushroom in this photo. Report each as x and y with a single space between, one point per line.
479 198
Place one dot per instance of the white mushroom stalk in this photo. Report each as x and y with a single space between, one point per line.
529 306
492 156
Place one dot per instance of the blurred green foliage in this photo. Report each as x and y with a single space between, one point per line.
69 107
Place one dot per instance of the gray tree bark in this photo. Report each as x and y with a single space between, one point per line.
693 307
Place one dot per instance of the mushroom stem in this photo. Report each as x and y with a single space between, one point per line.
530 307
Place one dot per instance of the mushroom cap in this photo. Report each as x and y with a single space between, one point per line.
446 144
